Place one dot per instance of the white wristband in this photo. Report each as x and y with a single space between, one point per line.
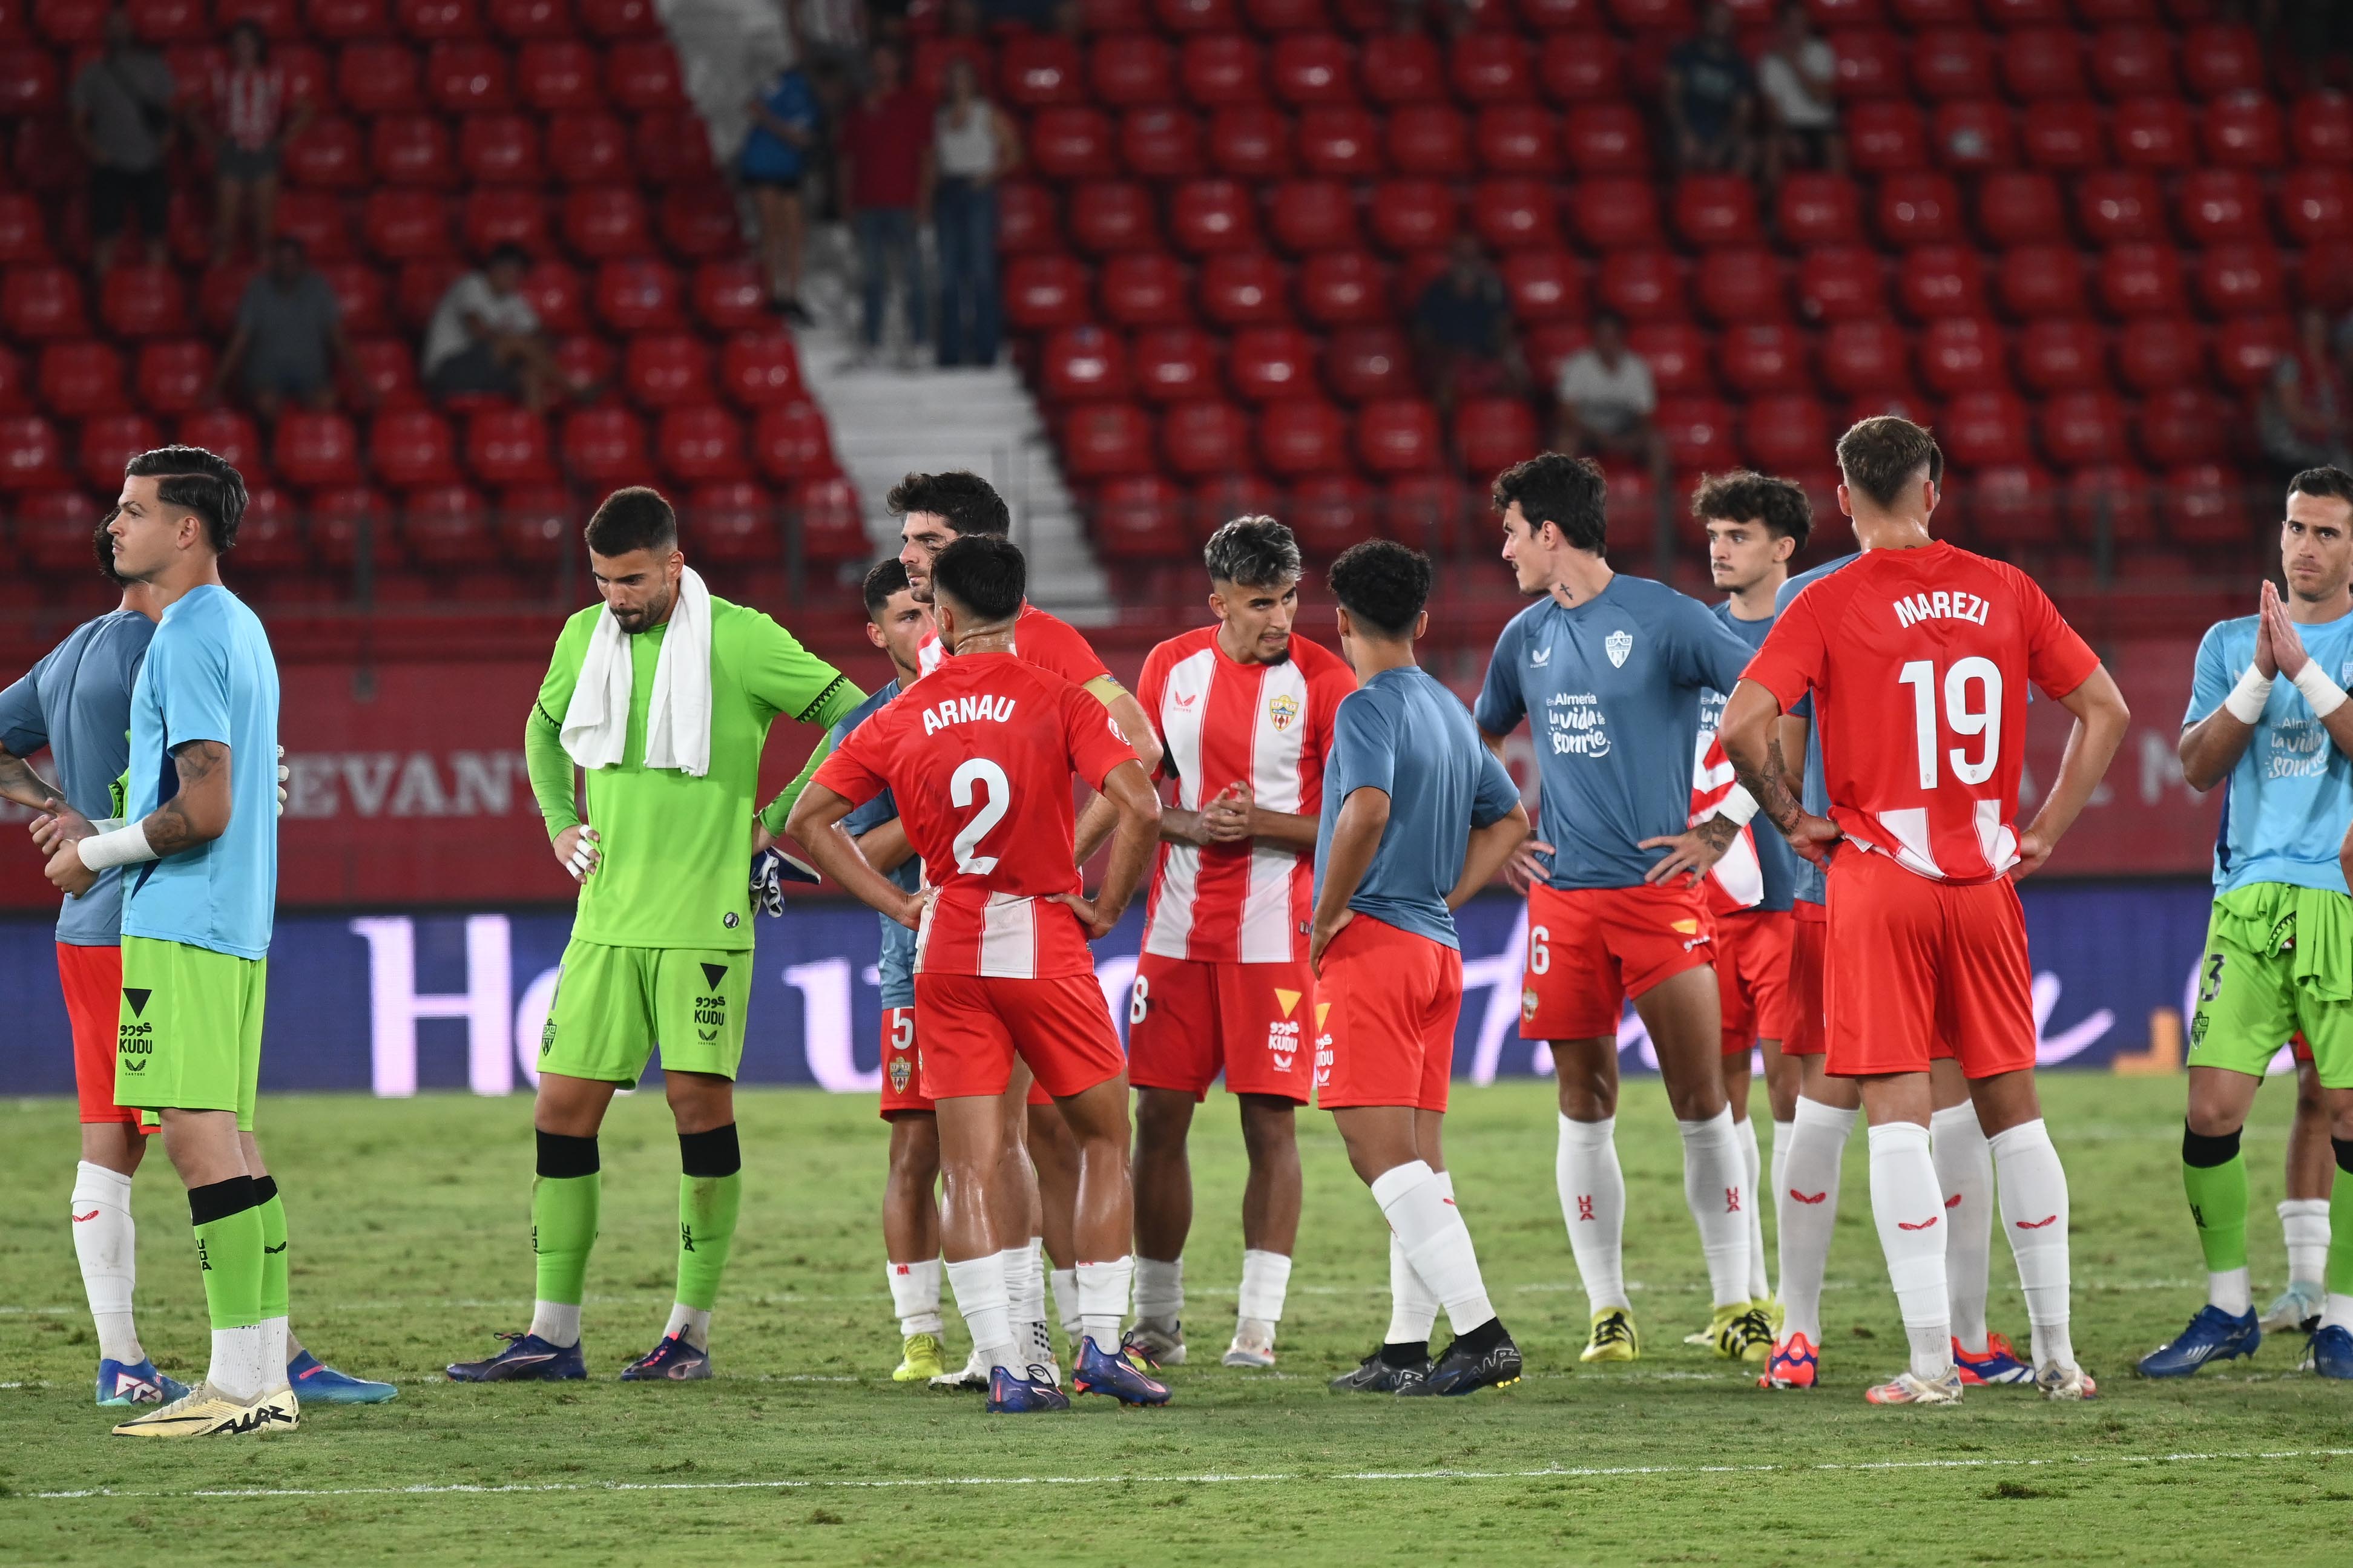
124 847
2325 695
1737 808
2246 700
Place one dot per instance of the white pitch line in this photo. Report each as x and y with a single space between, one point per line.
1213 1479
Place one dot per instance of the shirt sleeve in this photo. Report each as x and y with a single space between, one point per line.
1364 748
875 812
2208 685
1055 645
1095 745
1497 793
789 679
1150 689
1791 661
2057 660
1707 652
192 692
24 727
1502 704
1326 690
854 770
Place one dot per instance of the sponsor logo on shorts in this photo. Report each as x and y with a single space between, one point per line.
134 1043
710 1011
1283 1034
1527 1006
1283 711
1322 1046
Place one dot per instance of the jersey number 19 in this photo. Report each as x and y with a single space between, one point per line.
1961 716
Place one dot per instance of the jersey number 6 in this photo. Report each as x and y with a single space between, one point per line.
978 776
1961 718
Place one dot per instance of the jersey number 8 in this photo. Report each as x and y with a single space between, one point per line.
979 775
1959 717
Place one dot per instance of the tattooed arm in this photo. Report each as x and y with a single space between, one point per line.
20 784
197 816
1752 742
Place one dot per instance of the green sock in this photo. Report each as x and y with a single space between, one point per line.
273 1255
2340 1234
2218 1201
562 1230
229 1250
706 1233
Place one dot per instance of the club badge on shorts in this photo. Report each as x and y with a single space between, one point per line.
903 1067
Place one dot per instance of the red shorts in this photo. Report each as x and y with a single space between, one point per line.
972 1028
1809 937
2303 1052
1189 1019
1752 975
1918 969
1386 1012
1589 948
902 1069
92 979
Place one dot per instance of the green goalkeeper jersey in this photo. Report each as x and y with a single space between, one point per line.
677 850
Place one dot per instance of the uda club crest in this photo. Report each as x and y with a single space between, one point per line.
903 1067
1618 645
1280 710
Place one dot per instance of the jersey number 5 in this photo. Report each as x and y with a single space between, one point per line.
978 776
1961 717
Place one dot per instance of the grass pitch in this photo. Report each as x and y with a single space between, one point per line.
410 1247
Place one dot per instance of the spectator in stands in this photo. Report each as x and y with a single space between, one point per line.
485 338
289 338
248 128
1711 99
1796 78
2306 420
829 36
1606 401
774 164
974 144
1462 329
886 192
123 119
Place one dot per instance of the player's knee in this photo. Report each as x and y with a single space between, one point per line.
560 1156
2204 1150
713 1153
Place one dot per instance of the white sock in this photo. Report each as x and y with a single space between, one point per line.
2034 1217
1778 1163
979 1286
237 1371
2230 1291
1593 1205
106 1244
1808 1188
1437 1243
1965 1170
694 1323
1159 1291
1102 1299
1744 1130
1714 1189
915 1295
1909 1207
1025 1293
1066 1301
2305 1221
273 1354
1266 1280
2336 1310
557 1322
1412 1309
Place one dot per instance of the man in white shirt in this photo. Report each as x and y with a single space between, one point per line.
486 338
1607 398
1797 79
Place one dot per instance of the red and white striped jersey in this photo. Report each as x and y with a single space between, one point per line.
1269 728
1736 881
1047 641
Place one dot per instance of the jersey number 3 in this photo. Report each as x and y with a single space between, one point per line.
979 777
1961 716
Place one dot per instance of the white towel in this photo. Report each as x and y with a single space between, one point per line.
678 714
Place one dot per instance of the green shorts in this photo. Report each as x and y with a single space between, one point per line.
189 1037
2278 962
613 1005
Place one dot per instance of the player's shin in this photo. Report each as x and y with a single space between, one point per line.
1715 1189
2304 1222
915 1295
1965 1170
273 1283
710 1194
106 1245
1809 1212
1159 1292
227 1217
2215 1176
565 1196
1066 1301
1437 1243
1266 1280
2034 1217
1593 1207
1413 1308
979 1286
1103 1289
1760 1288
2336 1310
1909 1207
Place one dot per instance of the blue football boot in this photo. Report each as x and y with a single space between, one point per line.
1100 1373
672 1361
2332 1351
316 1383
527 1359
137 1383
1011 1396
2212 1335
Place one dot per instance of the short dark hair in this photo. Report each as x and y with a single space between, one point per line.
1879 455
2326 483
101 543
509 251
636 518
888 576
984 574
1253 552
1567 493
198 481
969 502
1382 584
1740 495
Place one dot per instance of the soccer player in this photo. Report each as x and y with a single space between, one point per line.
1918 656
196 918
1417 816
2268 716
662 694
1243 710
979 756
1608 670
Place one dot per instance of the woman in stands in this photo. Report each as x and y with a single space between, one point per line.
975 145
251 123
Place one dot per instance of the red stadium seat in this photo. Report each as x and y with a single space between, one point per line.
1302 437
2161 353
412 448
1509 213
32 457
1342 289
1222 67
730 296
1268 364
330 155
1251 142
1981 429
1517 139
701 444
315 449
271 536
1607 139
1080 364
2244 131
1402 67
498 149
1314 68
2185 425
1962 353
1766 357
1145 289
1698 433
1428 138
2154 133
536 524
2133 62
509 447
496 216
736 520
757 370
447 525
2008 503
663 370
347 18
1973 134
1140 518
2042 63
2055 354
81 378
1561 15
1842 283
53 530
1313 215
556 74
1156 143
1131 69
1785 432
1071 144
402 225
1919 209
1414 216
1714 210
1954 63
24 234
1040 70
2322 124
790 441
698 223
1870 64
2141 280
606 225
2079 429
589 150
1544 285
1112 216
2120 207
142 301
1884 138
1615 214
1241 289
1174 364
1045 291
1819 209
519 19
173 374
672 146
2223 59
1579 67
1027 217
642 74
337 517
2204 505
1937 280
1288 15
320 220
279 20
1491 434
373 79
427 20
2019 208
467 77
633 296
2113 500
1398 435
1641 286
2064 136
1677 353
1491 68
1865 355
1340 142
1331 511
2316 206
40 302
1741 286
2221 206
2042 281
1205 437
2241 279
1364 364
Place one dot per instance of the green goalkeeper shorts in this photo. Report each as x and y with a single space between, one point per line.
2276 963
189 1035
614 1005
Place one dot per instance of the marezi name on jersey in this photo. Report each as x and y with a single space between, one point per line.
1940 606
966 710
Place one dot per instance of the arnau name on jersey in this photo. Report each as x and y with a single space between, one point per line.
966 710
1940 606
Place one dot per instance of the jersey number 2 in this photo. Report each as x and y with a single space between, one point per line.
1961 716
978 776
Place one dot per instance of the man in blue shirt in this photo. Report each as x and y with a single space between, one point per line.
773 162
1417 818
2269 720
1608 669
